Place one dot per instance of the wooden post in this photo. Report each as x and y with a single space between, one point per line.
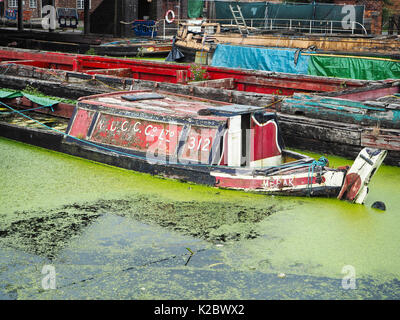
115 18
86 17
53 4
391 25
20 16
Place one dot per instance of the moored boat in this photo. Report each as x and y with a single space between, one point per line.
215 143
134 47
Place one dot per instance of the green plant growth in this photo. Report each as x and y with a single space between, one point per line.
90 52
36 92
140 53
197 73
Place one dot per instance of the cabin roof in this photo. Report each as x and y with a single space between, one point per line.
161 103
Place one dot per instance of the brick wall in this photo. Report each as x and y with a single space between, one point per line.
36 12
395 7
73 4
29 12
372 14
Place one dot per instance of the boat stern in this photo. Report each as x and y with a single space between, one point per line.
355 185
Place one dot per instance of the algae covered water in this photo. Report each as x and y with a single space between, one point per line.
110 233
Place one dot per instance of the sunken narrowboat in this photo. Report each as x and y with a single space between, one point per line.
215 143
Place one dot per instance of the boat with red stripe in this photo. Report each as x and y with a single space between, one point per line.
210 142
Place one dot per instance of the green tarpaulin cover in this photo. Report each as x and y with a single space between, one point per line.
43 101
316 64
195 8
265 10
361 68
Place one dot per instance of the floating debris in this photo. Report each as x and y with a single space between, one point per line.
215 264
379 205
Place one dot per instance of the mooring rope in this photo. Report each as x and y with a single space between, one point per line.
8 67
321 162
32 109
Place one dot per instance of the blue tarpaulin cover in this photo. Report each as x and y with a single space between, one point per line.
269 59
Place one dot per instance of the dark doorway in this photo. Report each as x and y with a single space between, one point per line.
47 2
144 9
1 8
105 19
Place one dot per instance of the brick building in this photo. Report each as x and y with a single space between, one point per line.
132 9
372 14
394 8
33 8
392 11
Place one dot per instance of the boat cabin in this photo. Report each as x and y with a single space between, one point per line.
179 129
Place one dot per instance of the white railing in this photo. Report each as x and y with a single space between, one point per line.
163 27
299 25
313 26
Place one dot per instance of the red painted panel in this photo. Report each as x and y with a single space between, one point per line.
198 144
137 134
63 110
265 140
81 124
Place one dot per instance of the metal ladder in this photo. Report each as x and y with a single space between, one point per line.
240 22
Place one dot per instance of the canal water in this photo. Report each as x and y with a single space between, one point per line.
110 233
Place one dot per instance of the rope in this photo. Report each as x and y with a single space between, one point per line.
33 109
8 67
322 162
271 104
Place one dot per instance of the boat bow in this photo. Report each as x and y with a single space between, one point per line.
355 186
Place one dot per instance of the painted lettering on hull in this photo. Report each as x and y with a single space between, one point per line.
278 183
269 184
137 134
198 144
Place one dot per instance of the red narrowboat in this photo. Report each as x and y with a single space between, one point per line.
215 143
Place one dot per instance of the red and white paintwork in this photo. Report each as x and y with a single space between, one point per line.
239 151
293 181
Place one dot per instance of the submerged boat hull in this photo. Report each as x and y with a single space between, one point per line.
206 175
198 140
222 145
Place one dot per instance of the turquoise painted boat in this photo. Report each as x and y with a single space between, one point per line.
382 113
